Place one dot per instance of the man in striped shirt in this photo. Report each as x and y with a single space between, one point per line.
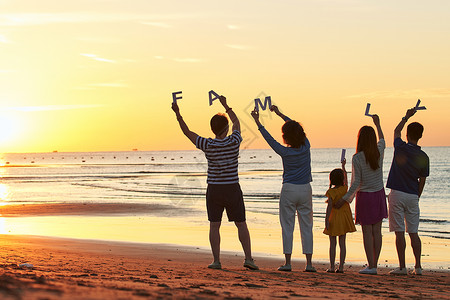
224 191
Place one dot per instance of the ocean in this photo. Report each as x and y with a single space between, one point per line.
178 179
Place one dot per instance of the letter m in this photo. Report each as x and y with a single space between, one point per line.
267 103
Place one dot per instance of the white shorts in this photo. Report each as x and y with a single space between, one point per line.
403 207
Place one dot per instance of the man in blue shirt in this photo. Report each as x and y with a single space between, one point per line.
409 169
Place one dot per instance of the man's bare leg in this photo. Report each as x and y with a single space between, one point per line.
214 239
400 244
244 238
416 245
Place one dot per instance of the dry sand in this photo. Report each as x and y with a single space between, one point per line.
81 269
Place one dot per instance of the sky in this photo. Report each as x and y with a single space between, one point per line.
98 75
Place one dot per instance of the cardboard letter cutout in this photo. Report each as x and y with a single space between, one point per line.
343 155
175 98
211 99
267 103
419 107
367 110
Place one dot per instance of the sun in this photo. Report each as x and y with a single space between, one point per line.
9 127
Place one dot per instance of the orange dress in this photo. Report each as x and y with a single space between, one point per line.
341 220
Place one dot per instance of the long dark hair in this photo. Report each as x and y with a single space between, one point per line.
293 134
337 178
367 143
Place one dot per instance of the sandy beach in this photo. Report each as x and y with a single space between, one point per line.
85 269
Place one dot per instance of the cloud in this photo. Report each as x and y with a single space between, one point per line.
237 47
50 107
4 40
189 60
109 84
157 24
233 27
113 85
33 19
181 59
404 94
95 57
100 40
92 86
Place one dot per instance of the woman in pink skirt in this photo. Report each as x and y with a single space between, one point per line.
367 185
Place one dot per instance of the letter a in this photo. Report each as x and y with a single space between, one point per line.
211 94
267 103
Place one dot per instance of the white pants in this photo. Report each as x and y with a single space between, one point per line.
403 207
296 198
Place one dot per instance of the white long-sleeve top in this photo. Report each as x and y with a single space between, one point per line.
364 178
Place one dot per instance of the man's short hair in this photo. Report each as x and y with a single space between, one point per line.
414 131
219 124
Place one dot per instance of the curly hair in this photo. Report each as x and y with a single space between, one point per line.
293 134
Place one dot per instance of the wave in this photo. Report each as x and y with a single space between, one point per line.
265 170
182 192
434 221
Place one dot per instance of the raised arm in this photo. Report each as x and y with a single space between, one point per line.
275 109
398 130
376 121
277 147
231 114
192 136
356 182
255 115
345 172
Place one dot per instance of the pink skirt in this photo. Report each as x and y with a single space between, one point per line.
370 207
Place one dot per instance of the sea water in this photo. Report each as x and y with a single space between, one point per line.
178 179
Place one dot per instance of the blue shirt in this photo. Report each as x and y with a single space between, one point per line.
409 164
296 161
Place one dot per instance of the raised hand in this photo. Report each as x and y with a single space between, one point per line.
275 109
175 108
223 100
410 112
376 120
255 115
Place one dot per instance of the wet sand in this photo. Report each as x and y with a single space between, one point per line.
85 269
83 209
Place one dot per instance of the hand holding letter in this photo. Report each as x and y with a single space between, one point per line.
175 108
376 119
410 112
223 100
255 115
275 109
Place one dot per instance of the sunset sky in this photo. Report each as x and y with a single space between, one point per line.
98 75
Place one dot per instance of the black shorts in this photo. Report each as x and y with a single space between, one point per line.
225 196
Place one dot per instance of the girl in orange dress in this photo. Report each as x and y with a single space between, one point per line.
338 221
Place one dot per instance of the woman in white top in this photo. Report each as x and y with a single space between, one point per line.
367 185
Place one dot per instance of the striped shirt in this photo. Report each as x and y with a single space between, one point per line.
222 156
364 178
